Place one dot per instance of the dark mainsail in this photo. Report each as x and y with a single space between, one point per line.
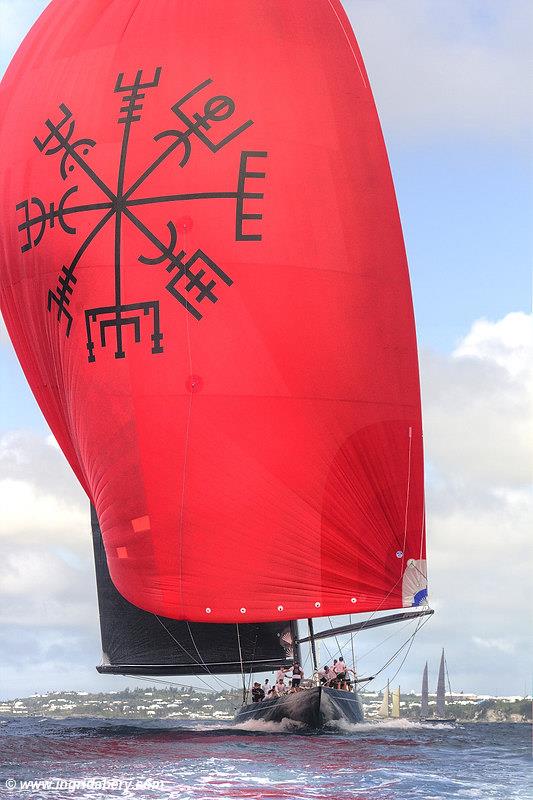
136 642
424 704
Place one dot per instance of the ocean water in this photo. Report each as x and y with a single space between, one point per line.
93 759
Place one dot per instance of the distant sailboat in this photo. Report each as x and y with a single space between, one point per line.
424 702
440 715
384 708
396 704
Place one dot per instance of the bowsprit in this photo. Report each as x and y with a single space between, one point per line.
197 279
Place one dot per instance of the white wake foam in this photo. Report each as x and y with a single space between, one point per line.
384 724
262 726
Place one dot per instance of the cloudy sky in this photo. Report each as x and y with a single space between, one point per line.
451 81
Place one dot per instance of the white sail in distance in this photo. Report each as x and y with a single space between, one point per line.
396 703
384 708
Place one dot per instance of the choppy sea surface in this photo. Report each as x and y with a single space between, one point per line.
93 758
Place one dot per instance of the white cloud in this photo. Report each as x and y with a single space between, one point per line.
478 425
41 472
25 508
46 570
477 407
439 66
507 343
504 645
25 572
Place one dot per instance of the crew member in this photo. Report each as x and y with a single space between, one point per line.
257 693
326 675
280 674
340 670
297 675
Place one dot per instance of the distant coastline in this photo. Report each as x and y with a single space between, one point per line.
177 703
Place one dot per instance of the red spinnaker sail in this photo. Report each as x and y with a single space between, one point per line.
204 278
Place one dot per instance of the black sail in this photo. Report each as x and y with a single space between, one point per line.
441 689
424 701
136 642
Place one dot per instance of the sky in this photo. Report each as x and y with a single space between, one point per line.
451 83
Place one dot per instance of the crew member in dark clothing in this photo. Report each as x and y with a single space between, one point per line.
297 675
257 693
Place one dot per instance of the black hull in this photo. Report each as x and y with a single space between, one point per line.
314 708
439 720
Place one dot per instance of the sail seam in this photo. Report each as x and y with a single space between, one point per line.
407 495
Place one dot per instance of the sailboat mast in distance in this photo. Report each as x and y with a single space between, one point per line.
424 701
441 689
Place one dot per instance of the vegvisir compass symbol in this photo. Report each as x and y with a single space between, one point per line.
196 277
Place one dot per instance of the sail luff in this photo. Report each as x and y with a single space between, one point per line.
424 700
384 708
396 703
441 689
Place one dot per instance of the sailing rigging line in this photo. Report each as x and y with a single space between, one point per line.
390 636
328 651
354 665
204 665
252 661
448 676
242 667
379 608
409 641
190 655
372 615
166 682
379 645
307 658
363 625
335 636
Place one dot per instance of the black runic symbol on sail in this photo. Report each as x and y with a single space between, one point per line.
196 277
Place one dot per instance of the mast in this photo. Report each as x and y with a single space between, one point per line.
396 703
312 641
384 708
424 704
441 689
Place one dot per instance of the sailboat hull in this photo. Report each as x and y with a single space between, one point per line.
314 708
